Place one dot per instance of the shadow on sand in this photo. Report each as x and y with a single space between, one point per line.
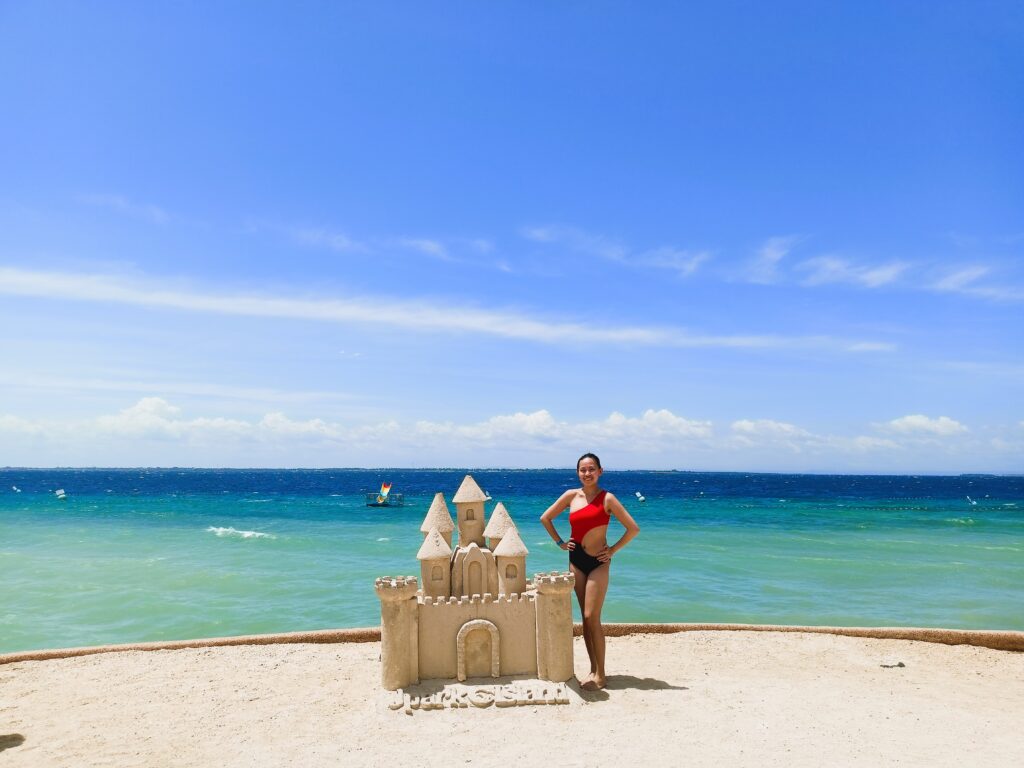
10 740
621 683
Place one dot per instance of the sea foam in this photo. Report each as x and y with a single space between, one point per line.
240 534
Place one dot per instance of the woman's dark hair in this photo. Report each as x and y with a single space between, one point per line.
588 456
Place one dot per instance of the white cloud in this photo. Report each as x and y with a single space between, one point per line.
137 382
965 281
155 432
867 444
154 426
281 424
750 433
918 424
578 240
154 417
541 425
414 315
343 243
764 269
424 245
121 204
871 346
768 427
323 238
1007 446
832 269
684 263
19 426
959 280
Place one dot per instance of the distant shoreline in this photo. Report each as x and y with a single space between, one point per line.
612 470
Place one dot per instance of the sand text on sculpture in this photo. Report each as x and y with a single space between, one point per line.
516 694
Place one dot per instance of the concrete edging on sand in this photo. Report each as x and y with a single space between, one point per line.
1000 640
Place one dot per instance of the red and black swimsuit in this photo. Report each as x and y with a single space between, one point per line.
583 521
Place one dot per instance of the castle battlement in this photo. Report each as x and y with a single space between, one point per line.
486 599
472 613
396 587
553 582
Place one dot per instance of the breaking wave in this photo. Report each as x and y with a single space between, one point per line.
239 534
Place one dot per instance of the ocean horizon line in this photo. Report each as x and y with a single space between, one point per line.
806 473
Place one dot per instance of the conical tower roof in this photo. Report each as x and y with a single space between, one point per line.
500 522
469 491
434 547
438 516
511 545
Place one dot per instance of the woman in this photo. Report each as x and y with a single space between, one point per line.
590 557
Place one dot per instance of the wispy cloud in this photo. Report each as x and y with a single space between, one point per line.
121 204
965 281
447 249
425 245
578 240
960 279
421 316
764 268
683 262
833 269
190 389
324 238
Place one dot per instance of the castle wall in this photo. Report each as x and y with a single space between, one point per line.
554 626
399 636
440 620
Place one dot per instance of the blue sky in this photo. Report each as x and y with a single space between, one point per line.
734 236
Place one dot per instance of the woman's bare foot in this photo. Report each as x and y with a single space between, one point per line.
585 681
594 683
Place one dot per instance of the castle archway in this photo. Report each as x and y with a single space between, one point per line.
477 650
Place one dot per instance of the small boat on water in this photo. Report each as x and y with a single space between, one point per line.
385 498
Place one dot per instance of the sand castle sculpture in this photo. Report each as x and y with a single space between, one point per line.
475 615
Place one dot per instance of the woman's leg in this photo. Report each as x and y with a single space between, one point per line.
581 598
594 594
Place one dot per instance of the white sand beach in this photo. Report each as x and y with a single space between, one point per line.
692 698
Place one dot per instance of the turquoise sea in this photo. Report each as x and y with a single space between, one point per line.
160 554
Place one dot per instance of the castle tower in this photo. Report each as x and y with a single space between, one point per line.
511 556
435 564
439 517
499 523
554 626
469 511
474 572
399 631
